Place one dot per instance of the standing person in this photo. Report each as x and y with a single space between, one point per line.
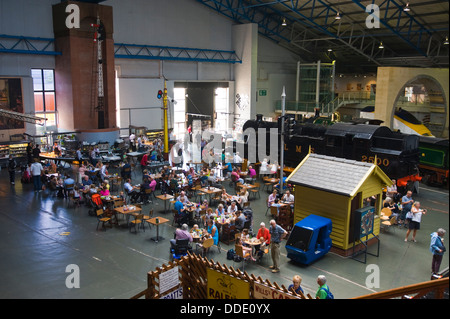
30 153
407 202
324 291
12 164
277 233
416 218
36 173
437 248
295 286
36 151
132 138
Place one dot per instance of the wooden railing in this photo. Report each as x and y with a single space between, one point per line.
414 291
193 273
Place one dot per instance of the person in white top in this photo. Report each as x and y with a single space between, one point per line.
264 169
36 172
288 198
237 159
414 224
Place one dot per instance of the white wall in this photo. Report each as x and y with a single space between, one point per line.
277 67
179 23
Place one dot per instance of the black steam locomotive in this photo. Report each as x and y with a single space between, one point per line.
395 153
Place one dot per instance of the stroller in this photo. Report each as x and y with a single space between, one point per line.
95 204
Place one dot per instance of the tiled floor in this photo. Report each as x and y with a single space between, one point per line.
41 236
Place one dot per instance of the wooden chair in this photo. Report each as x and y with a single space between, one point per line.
117 182
387 224
386 212
147 195
102 219
240 252
255 190
237 237
205 246
176 217
72 200
138 221
274 211
146 218
228 233
246 204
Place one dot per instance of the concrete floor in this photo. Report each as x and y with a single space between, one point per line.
41 236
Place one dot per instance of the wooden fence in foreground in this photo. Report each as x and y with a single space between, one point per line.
193 281
193 274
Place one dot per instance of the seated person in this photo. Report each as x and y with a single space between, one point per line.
246 249
243 196
76 193
86 181
272 198
232 209
240 220
126 170
132 191
104 191
288 198
264 236
183 198
144 160
251 173
181 233
69 183
224 195
152 184
220 210
92 189
183 215
209 215
213 231
235 177
52 184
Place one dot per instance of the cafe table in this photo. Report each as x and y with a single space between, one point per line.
210 191
157 221
165 198
127 210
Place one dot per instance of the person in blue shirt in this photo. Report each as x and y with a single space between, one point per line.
407 202
213 231
295 286
227 169
183 216
437 248
69 183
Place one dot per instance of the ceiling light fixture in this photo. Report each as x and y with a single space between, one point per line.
284 22
446 41
406 8
337 17
381 46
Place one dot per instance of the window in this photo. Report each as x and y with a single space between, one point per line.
179 112
221 109
44 94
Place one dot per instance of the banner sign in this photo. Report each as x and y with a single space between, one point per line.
223 286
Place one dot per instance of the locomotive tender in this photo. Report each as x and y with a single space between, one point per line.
395 153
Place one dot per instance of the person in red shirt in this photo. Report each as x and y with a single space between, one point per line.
263 232
144 160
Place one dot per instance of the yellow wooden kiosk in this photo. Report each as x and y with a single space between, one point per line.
335 188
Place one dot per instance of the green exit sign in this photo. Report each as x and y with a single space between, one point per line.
262 92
